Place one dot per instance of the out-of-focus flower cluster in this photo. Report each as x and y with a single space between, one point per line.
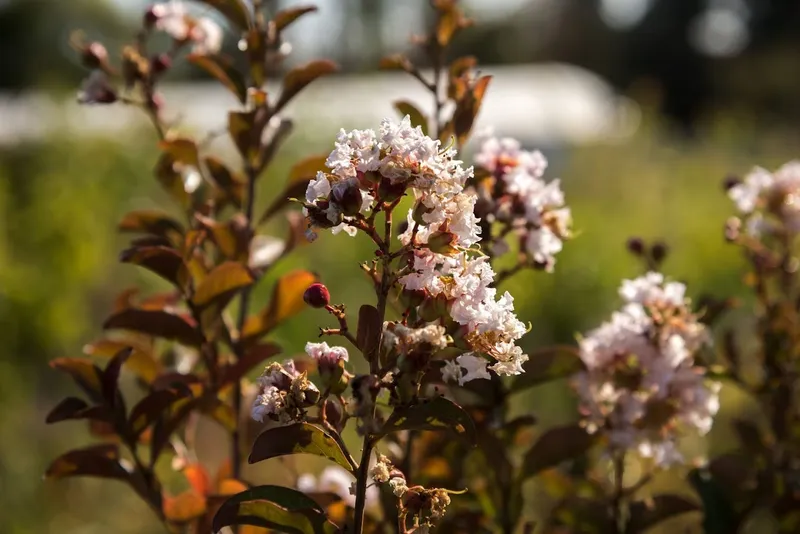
512 191
769 201
641 386
370 171
283 393
174 19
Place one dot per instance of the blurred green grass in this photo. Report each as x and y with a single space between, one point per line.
61 199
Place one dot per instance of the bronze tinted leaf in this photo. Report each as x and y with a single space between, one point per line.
275 507
172 180
181 150
298 438
97 461
86 374
222 69
302 172
156 323
404 107
548 364
285 17
164 261
467 110
298 78
153 406
647 514
150 222
287 301
395 62
141 361
236 11
241 126
435 414
233 186
69 408
370 328
253 356
110 378
556 445
222 283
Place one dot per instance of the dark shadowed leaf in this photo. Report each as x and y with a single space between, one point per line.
287 300
299 77
223 70
69 408
298 438
241 126
548 364
750 436
153 406
141 361
404 107
181 150
302 172
98 461
235 11
285 17
647 514
279 508
719 514
150 222
434 414
86 374
370 328
586 515
555 446
231 184
253 356
110 378
164 261
156 323
222 283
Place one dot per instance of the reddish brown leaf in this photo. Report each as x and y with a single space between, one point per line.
150 222
555 446
298 78
164 261
285 17
69 408
241 126
547 364
110 378
236 11
467 110
141 361
370 328
97 461
223 70
85 373
404 107
222 283
172 180
181 150
153 406
287 300
395 62
298 438
156 323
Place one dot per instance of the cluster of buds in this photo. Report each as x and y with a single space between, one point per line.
641 385
284 394
770 202
511 192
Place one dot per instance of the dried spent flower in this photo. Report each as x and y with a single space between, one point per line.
283 394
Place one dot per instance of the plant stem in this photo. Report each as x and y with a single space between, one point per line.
619 491
361 483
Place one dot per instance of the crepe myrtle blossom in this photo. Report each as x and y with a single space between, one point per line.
641 386
770 201
514 192
283 393
173 19
337 481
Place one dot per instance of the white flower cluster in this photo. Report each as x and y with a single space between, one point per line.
321 352
173 19
442 228
534 207
282 393
641 385
339 482
770 199
431 337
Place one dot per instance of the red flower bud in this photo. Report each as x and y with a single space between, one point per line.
317 296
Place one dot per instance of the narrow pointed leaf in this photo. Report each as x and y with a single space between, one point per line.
156 323
644 515
141 361
153 406
150 222
69 408
298 438
285 17
164 261
287 301
182 150
223 70
110 378
86 374
548 364
436 414
556 445
97 461
298 78
222 283
231 184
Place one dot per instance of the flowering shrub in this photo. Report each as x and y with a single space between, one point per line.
416 414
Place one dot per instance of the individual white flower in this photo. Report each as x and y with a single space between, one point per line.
747 193
320 351
451 371
270 402
337 481
474 368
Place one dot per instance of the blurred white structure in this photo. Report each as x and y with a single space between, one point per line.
540 104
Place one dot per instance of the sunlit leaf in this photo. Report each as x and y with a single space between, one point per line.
287 301
435 414
181 150
97 461
468 109
395 62
285 17
302 172
184 507
220 412
223 70
298 438
156 323
405 107
276 507
647 514
172 180
235 11
140 362
222 283
253 356
150 222
299 77
86 374
231 237
557 445
164 261
548 364
457 81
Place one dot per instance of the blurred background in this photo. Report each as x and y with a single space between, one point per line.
642 106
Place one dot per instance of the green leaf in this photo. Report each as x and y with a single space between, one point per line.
223 70
299 77
556 445
164 261
404 107
287 301
298 438
302 172
222 283
548 364
647 514
156 323
97 461
235 11
276 507
435 414
370 329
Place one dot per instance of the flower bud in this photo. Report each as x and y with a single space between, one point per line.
420 210
635 246
317 296
730 182
390 191
443 243
347 196
659 251
318 215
